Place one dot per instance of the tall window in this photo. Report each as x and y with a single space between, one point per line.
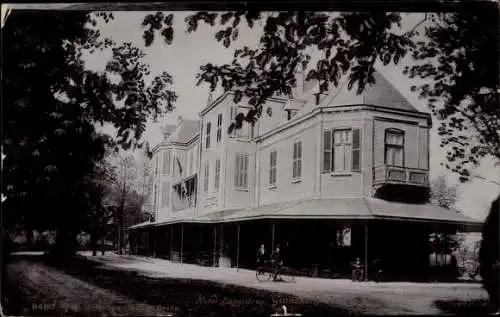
165 198
206 179
394 147
219 127
342 145
241 171
273 160
166 163
156 164
217 174
341 150
207 141
154 201
196 156
297 160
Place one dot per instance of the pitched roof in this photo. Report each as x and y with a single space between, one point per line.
355 208
185 131
334 208
382 93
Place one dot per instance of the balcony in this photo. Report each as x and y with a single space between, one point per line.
384 174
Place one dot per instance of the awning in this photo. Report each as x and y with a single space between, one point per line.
308 209
382 209
141 225
335 208
357 208
217 216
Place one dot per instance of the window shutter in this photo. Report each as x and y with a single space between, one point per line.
245 173
237 170
356 150
327 151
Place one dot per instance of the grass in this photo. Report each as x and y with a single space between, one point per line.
184 297
475 307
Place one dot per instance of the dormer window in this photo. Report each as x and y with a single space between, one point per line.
394 147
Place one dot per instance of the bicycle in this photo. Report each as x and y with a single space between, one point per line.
266 272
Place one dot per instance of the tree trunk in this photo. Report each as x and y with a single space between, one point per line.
103 246
29 238
66 245
93 244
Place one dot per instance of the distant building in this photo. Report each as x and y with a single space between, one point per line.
330 176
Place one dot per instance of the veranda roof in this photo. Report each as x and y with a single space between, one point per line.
141 225
335 208
356 208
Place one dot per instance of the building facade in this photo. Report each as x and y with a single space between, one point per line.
327 168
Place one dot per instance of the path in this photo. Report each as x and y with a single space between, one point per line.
47 291
366 297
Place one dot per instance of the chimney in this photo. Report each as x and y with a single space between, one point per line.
315 91
299 82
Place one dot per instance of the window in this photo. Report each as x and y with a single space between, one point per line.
343 237
165 199
156 165
242 132
341 150
327 151
154 201
356 150
217 174
241 171
297 160
207 141
219 128
342 145
166 163
272 167
205 184
394 147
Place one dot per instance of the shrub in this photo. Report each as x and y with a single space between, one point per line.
488 254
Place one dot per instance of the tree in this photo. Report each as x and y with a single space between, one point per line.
128 191
101 210
459 63
442 194
145 184
489 260
345 42
51 106
126 174
456 56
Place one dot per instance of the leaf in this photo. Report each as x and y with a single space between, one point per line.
237 96
168 35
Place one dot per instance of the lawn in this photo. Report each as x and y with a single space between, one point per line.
82 287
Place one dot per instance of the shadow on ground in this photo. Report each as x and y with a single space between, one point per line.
183 297
478 307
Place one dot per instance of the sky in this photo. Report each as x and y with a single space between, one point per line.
188 51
